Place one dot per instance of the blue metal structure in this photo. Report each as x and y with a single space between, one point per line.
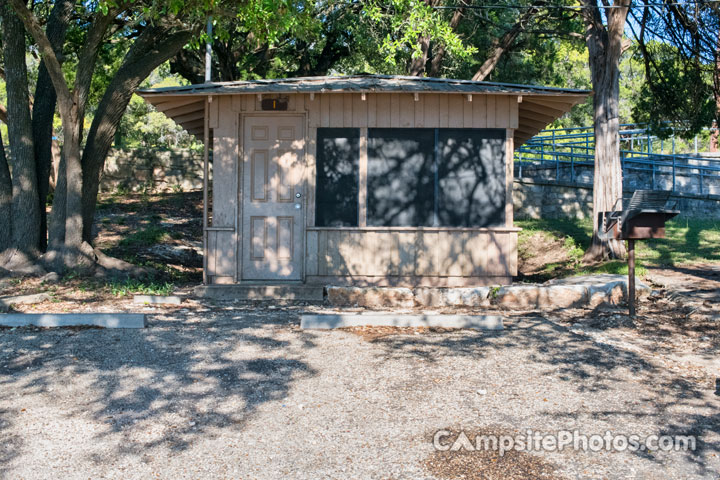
568 155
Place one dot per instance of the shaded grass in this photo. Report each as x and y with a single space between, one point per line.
148 236
132 286
688 241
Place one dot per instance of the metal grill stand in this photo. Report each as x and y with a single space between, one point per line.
644 217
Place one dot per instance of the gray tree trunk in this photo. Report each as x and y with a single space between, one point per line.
153 47
67 206
604 50
25 211
5 203
44 111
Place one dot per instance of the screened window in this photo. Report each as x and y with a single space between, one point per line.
416 177
400 177
436 177
336 196
471 177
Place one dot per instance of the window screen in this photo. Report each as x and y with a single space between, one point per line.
401 176
336 196
471 177
436 177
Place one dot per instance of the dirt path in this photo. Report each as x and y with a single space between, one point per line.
233 391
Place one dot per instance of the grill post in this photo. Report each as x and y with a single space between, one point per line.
631 277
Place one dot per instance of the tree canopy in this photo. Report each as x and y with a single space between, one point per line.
70 70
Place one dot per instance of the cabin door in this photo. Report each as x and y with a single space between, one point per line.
273 197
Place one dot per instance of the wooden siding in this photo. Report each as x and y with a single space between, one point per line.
406 253
443 257
222 234
391 110
401 110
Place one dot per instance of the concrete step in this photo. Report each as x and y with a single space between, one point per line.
105 320
260 292
476 322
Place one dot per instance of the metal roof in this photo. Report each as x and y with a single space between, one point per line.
359 83
540 106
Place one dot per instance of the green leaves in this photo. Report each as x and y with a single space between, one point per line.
678 98
401 23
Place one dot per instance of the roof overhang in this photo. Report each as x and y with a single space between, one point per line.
538 106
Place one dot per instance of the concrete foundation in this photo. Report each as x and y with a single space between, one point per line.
105 320
476 322
261 292
157 300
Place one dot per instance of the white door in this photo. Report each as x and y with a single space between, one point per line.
273 198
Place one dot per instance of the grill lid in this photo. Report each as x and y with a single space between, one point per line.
645 201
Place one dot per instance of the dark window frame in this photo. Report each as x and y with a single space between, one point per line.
483 207
450 178
324 216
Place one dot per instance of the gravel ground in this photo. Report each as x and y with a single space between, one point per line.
241 392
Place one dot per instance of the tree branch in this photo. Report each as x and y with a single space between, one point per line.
504 43
88 54
32 25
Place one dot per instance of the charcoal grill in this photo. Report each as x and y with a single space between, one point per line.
644 217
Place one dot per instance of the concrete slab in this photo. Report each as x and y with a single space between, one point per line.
105 320
260 292
8 301
477 322
157 300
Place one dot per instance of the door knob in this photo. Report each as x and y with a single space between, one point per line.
297 195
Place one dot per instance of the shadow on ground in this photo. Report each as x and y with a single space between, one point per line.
590 367
190 378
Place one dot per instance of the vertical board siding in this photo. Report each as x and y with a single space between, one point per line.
337 110
502 111
514 109
371 109
479 111
468 110
509 176
431 110
213 109
371 253
411 253
324 101
359 112
311 254
395 110
383 110
456 106
426 255
311 175
443 112
222 252
490 109
347 109
313 108
406 105
419 112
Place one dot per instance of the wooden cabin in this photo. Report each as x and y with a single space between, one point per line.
361 180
